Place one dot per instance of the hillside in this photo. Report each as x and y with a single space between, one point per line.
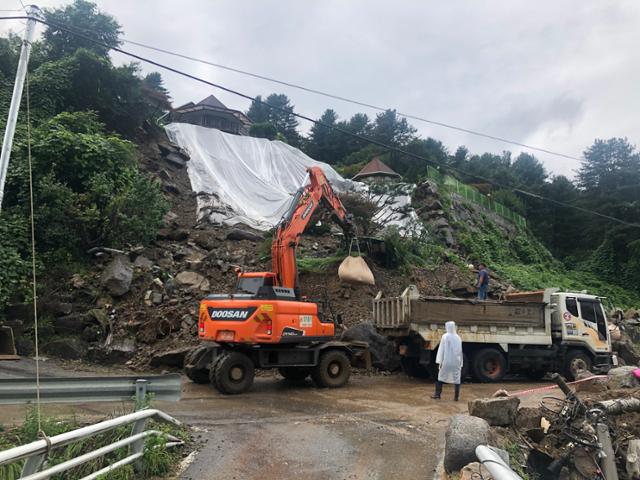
122 260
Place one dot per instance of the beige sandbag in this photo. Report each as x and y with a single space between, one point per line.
355 270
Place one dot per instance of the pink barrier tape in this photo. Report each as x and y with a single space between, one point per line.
553 387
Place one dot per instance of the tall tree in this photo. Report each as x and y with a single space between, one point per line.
610 165
84 17
529 171
389 128
281 116
325 143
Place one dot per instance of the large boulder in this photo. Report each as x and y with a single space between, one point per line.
119 351
170 358
70 348
622 377
117 276
192 280
462 437
239 234
383 351
72 323
474 471
499 411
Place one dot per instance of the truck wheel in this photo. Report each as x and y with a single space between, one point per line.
576 362
233 373
412 368
489 365
295 374
333 370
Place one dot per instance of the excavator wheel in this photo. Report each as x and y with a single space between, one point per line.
232 373
294 374
333 369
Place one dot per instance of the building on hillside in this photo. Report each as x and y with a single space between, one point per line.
212 113
376 171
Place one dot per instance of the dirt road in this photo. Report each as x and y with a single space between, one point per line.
378 427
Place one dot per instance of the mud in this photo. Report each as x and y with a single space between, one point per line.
377 427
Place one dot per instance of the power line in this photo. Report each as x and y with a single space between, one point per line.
316 122
355 102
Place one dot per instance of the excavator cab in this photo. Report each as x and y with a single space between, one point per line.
252 282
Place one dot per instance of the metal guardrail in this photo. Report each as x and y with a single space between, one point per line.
90 389
36 452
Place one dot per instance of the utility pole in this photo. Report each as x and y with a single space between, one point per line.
10 129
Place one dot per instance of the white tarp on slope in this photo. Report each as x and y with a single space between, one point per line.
246 180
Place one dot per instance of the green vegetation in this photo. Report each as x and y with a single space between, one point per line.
88 189
413 252
318 264
517 458
157 459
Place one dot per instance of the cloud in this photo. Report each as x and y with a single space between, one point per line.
555 75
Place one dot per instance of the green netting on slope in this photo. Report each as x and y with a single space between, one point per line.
472 194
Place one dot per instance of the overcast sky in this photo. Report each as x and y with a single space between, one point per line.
551 74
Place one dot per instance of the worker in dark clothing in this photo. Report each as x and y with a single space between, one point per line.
483 282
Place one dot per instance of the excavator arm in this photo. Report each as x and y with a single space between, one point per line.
315 190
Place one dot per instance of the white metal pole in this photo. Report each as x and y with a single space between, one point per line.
10 129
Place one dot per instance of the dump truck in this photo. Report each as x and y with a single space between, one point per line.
530 333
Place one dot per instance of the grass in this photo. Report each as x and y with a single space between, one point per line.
517 458
317 264
157 460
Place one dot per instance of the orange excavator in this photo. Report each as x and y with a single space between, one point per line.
266 323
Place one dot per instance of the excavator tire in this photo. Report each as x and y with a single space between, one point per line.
294 374
233 373
333 369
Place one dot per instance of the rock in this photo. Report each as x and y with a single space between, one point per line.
92 333
118 351
73 323
156 298
447 234
143 263
462 437
55 308
474 471
77 281
171 358
176 235
169 218
70 348
383 351
622 377
147 297
500 411
528 418
192 280
175 160
595 385
25 346
239 234
631 313
627 350
440 223
117 276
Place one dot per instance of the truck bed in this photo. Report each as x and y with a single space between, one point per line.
400 312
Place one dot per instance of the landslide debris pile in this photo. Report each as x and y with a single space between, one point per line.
559 438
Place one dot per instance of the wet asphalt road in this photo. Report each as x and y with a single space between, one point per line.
377 427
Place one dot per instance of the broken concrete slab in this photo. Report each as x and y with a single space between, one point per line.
499 411
383 351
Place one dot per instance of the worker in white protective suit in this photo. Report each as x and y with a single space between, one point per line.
449 360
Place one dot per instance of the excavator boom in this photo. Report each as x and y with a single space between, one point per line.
317 190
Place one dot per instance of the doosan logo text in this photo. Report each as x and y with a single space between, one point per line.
231 313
